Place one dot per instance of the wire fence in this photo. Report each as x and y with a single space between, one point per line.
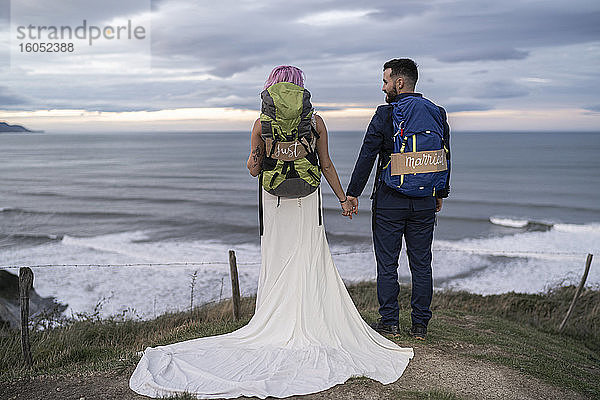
482 252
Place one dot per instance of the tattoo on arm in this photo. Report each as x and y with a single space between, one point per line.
256 155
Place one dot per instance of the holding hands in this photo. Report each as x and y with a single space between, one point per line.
349 206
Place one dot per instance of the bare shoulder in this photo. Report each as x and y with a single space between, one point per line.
320 124
256 128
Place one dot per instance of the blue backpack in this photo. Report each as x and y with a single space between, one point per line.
418 142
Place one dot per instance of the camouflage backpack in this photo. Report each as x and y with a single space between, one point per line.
290 166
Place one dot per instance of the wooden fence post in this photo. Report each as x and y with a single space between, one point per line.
25 285
588 262
235 285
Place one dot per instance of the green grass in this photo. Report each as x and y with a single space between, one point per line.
558 359
542 311
514 330
93 344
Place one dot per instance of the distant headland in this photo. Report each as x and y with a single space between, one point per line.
6 128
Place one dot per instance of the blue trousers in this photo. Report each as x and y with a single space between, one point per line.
416 225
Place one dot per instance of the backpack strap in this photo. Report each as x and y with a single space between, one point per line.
377 176
404 144
306 145
275 175
260 204
320 214
273 145
313 125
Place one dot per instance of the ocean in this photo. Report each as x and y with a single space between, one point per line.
166 207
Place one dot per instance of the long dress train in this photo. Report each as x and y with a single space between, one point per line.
305 336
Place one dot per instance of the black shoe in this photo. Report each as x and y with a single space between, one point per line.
386 329
418 331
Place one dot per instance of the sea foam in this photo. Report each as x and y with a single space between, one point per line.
158 279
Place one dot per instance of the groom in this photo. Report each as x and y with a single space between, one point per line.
395 214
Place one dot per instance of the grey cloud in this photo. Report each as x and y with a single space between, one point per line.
4 11
72 11
231 99
226 42
119 108
399 10
11 101
252 106
593 108
239 42
457 107
101 106
228 68
7 98
502 89
138 96
471 26
483 55
155 4
329 108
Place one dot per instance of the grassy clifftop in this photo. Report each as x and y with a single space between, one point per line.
471 337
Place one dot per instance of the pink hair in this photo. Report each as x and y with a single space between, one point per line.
285 73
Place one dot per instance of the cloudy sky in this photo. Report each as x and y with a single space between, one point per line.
494 65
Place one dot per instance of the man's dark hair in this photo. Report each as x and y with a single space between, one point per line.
404 67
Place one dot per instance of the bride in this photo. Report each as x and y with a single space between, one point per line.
306 334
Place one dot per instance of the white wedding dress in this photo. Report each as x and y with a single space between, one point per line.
305 336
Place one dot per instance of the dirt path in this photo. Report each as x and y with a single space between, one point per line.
473 379
430 369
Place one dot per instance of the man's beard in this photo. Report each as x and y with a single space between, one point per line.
389 97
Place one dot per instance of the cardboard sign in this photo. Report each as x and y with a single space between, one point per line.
285 151
419 162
